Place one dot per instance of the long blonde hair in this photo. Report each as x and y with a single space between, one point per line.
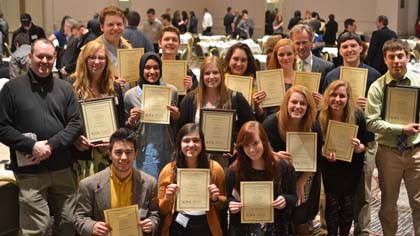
201 91
274 62
325 113
307 120
82 85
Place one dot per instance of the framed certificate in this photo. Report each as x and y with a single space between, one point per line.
128 63
193 189
99 118
241 84
272 82
338 140
155 99
123 220
303 148
257 198
217 126
357 78
310 80
174 72
401 104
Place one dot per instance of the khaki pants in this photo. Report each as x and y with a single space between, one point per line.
39 191
393 166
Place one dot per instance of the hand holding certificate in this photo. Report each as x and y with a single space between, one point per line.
303 148
155 100
193 189
272 83
123 221
128 63
339 140
241 84
357 78
257 199
99 118
401 104
174 72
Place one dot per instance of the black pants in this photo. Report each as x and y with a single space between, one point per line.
197 225
207 31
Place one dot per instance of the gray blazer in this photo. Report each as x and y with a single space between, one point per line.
94 197
321 66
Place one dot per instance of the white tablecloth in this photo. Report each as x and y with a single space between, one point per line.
224 46
332 51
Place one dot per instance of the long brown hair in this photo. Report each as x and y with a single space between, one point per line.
251 68
325 113
224 92
310 114
82 85
274 62
243 164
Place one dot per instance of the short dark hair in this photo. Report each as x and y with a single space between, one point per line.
21 39
383 19
229 8
348 36
297 13
151 11
348 21
331 16
245 11
166 16
125 135
133 18
395 45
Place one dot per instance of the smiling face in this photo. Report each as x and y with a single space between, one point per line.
212 77
122 156
254 149
238 63
151 71
191 146
302 43
113 28
42 59
396 61
286 56
350 50
337 101
169 43
96 62
297 106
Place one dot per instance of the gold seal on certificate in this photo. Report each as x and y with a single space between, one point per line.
217 126
338 140
401 104
242 84
99 118
357 78
272 83
123 221
310 80
303 148
193 192
257 198
155 99
174 72
128 63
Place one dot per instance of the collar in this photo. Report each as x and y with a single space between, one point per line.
131 27
308 60
115 178
407 76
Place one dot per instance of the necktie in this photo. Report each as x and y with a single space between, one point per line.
302 66
402 142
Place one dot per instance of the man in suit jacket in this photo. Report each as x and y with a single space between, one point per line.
302 36
375 57
119 185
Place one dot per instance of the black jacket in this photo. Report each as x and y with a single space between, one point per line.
375 57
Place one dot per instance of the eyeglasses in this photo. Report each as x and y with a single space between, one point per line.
94 58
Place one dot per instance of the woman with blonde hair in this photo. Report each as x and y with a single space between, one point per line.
338 104
94 78
298 114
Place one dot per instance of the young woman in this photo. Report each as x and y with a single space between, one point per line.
212 93
297 114
94 78
156 140
190 153
255 162
278 25
340 178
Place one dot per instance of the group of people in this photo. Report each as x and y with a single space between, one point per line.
53 160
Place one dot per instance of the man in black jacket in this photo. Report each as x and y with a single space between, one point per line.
39 120
28 27
375 57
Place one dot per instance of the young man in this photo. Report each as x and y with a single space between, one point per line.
28 27
39 121
350 47
119 185
399 144
207 22
169 42
19 61
152 28
137 38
